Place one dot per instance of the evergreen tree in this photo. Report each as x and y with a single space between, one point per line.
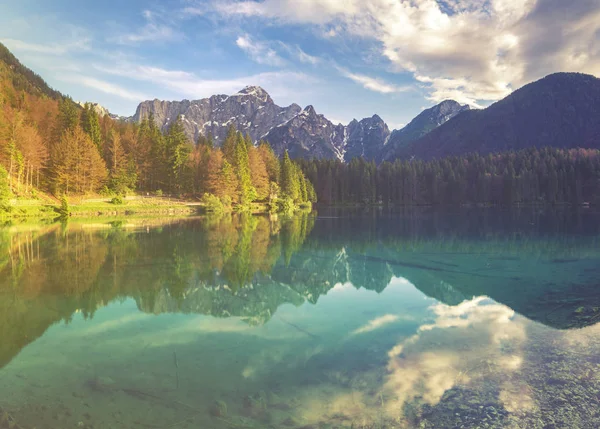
228 186
270 160
248 141
229 145
68 117
247 193
122 172
159 172
91 125
178 150
290 185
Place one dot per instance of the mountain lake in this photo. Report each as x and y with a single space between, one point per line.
343 318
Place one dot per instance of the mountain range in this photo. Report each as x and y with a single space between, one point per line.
560 110
302 132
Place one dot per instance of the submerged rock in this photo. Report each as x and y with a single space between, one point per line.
7 421
218 409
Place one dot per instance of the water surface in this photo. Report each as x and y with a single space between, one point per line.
348 319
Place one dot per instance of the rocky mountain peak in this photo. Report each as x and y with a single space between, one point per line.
251 111
426 121
309 111
257 92
99 109
447 109
377 118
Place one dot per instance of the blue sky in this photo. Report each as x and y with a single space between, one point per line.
348 58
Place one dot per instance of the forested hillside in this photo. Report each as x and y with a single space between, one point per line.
528 176
49 143
560 110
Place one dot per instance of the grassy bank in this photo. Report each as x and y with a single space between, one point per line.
49 208
46 208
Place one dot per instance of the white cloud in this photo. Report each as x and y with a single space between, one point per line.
82 44
468 50
373 84
309 11
280 83
376 324
298 54
106 87
156 29
259 51
306 58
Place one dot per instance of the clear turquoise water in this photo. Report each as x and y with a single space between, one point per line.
348 319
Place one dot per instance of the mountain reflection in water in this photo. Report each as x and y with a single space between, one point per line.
353 319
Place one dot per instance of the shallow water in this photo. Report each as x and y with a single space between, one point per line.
348 319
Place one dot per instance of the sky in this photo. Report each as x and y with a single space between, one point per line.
347 58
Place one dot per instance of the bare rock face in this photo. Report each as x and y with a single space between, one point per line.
308 135
366 138
251 111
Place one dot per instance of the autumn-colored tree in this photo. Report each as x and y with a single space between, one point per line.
14 123
78 167
258 173
213 172
35 155
271 161
5 193
199 165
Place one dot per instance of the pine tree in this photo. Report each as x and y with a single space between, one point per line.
91 125
246 191
178 150
248 141
290 185
228 186
159 174
122 173
68 118
229 145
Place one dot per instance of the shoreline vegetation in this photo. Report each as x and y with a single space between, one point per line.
128 207
58 152
149 207
59 158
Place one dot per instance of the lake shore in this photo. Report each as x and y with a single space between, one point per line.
103 207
